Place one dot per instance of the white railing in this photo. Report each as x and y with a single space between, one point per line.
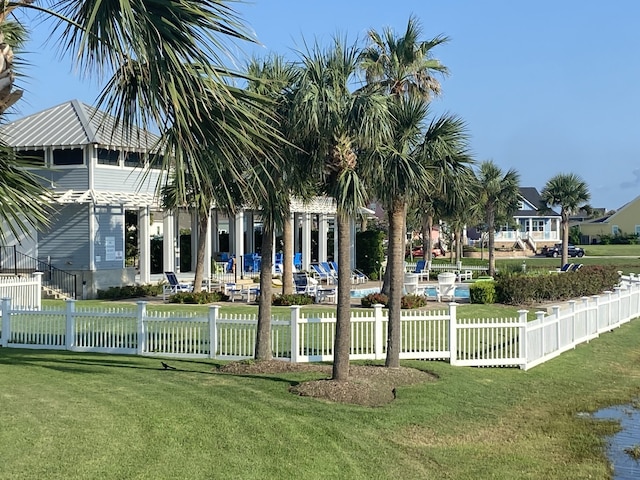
410 267
309 337
24 289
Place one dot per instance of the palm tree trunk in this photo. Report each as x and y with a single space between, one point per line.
396 281
491 246
342 342
203 227
287 255
564 222
263 333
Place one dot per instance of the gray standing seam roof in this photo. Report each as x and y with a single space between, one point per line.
74 124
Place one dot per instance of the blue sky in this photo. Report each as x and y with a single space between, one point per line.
545 87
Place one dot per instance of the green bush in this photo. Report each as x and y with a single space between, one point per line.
369 252
129 291
198 297
413 301
292 299
373 299
482 292
519 288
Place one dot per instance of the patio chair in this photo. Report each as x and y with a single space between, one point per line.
321 274
565 268
361 277
575 267
232 291
423 274
446 286
304 284
174 285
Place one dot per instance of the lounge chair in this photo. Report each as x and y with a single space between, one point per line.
423 274
321 274
232 291
174 285
565 268
304 284
446 286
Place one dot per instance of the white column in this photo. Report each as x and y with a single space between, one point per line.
144 241
206 271
168 242
323 230
239 239
306 241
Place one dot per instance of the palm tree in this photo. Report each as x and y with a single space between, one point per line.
275 79
498 195
165 69
569 192
403 65
337 126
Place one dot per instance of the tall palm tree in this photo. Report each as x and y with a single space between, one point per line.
396 177
275 79
404 65
165 68
569 192
498 195
336 126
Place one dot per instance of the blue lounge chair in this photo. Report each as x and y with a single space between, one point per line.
322 274
303 284
174 285
420 270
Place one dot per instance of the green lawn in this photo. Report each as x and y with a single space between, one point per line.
69 415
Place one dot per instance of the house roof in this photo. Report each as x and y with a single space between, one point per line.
532 196
612 216
74 124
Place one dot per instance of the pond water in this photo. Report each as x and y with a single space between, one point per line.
625 467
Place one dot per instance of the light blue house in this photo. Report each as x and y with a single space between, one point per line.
94 170
535 228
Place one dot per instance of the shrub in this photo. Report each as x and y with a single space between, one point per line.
413 301
517 289
197 297
373 299
130 291
292 299
482 292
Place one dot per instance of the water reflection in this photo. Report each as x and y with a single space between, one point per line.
625 467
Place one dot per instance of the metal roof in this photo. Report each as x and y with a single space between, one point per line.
74 124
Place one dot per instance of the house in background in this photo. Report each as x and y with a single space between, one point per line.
625 221
94 170
534 229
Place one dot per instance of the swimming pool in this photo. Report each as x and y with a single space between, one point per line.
461 291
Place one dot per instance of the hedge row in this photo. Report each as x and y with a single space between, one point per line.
519 289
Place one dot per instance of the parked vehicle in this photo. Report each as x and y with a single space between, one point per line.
556 251
417 252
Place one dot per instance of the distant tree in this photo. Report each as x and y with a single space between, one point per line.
569 192
497 196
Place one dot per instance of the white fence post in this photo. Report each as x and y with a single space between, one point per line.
295 347
6 322
453 334
593 329
572 308
38 300
70 324
141 314
214 311
378 347
523 337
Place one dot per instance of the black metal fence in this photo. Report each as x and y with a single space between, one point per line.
14 262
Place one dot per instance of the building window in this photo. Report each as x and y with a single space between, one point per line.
155 161
35 157
615 230
108 157
73 156
133 159
638 230
537 225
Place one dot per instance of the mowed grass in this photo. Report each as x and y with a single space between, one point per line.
70 415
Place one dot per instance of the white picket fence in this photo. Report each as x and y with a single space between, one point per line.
25 290
308 337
